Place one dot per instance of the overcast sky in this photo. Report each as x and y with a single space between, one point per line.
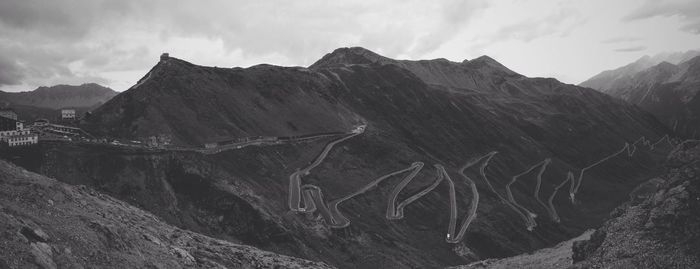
114 43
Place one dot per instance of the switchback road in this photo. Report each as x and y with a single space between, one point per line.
313 200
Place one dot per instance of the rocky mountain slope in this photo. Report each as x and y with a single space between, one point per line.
662 231
667 90
44 101
436 112
49 224
559 256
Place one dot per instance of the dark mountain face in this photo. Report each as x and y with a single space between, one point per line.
435 112
669 91
261 100
59 96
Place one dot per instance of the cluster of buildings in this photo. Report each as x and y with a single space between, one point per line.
13 132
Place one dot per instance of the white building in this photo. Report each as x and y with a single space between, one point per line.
13 133
23 140
67 114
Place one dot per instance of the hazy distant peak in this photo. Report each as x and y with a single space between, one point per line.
644 61
665 65
606 80
675 57
693 61
58 96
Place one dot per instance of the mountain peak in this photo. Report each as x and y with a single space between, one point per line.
643 59
357 50
489 65
350 55
665 65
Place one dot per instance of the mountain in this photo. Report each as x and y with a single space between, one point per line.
611 79
606 79
44 101
470 75
78 227
415 114
667 90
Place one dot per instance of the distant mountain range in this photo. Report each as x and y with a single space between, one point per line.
666 85
44 101
432 111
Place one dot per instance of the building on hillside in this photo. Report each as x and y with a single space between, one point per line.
13 133
63 130
41 122
8 113
68 114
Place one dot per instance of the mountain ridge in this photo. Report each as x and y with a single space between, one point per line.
44 102
606 80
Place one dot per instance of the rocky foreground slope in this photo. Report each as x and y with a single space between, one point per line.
48 224
662 231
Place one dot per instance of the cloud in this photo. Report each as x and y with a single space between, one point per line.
631 49
9 72
558 22
455 16
621 39
687 10
46 40
693 28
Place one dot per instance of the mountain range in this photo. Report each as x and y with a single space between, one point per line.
501 143
665 85
43 102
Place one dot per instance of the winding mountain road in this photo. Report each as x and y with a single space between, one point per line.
482 172
309 198
530 216
295 178
313 200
